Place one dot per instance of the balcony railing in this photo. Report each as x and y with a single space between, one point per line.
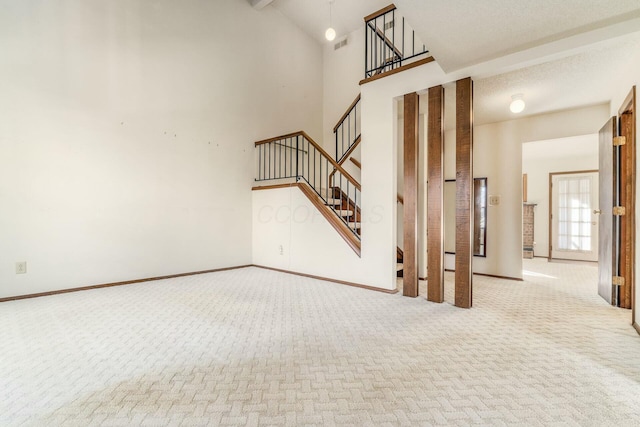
389 42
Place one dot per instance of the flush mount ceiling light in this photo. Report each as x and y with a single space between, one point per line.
517 103
330 34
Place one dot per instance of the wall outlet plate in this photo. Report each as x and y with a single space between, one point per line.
494 200
21 267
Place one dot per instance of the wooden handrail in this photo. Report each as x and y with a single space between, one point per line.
355 162
344 116
333 162
277 138
346 156
380 12
350 151
398 70
317 147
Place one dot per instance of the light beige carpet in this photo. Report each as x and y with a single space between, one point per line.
257 347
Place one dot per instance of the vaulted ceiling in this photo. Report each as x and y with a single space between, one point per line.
540 48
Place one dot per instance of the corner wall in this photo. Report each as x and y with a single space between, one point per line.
126 139
291 234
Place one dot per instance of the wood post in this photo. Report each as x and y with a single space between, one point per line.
627 121
410 258
464 193
435 195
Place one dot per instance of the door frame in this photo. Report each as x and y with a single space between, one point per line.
550 228
628 194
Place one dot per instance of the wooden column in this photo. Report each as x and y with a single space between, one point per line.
435 195
464 192
410 221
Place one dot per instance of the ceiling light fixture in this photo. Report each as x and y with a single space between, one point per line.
517 103
330 34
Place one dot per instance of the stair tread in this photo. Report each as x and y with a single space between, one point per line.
399 266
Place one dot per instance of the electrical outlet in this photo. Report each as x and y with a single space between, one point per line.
21 267
494 200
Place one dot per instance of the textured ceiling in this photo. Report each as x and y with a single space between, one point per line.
571 82
577 42
461 33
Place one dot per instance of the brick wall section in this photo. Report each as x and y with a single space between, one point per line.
527 230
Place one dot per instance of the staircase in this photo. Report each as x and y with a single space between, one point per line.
296 157
335 193
345 208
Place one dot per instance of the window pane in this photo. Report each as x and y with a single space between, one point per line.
562 227
562 242
574 213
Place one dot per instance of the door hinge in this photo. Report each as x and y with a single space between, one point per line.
618 281
619 140
619 210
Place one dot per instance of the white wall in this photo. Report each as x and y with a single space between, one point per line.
539 167
127 129
379 160
285 217
498 156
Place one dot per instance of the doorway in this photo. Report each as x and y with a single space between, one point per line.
618 151
574 225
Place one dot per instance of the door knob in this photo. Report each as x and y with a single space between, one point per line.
597 211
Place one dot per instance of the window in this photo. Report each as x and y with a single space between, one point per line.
574 213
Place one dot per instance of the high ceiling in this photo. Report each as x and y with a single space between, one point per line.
540 48
313 15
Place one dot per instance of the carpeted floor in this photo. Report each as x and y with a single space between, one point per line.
257 347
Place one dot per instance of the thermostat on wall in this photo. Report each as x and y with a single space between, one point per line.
494 200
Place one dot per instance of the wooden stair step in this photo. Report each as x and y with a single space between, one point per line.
344 212
354 225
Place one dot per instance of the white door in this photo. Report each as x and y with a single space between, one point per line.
574 225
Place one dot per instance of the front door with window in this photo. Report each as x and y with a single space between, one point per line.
574 196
